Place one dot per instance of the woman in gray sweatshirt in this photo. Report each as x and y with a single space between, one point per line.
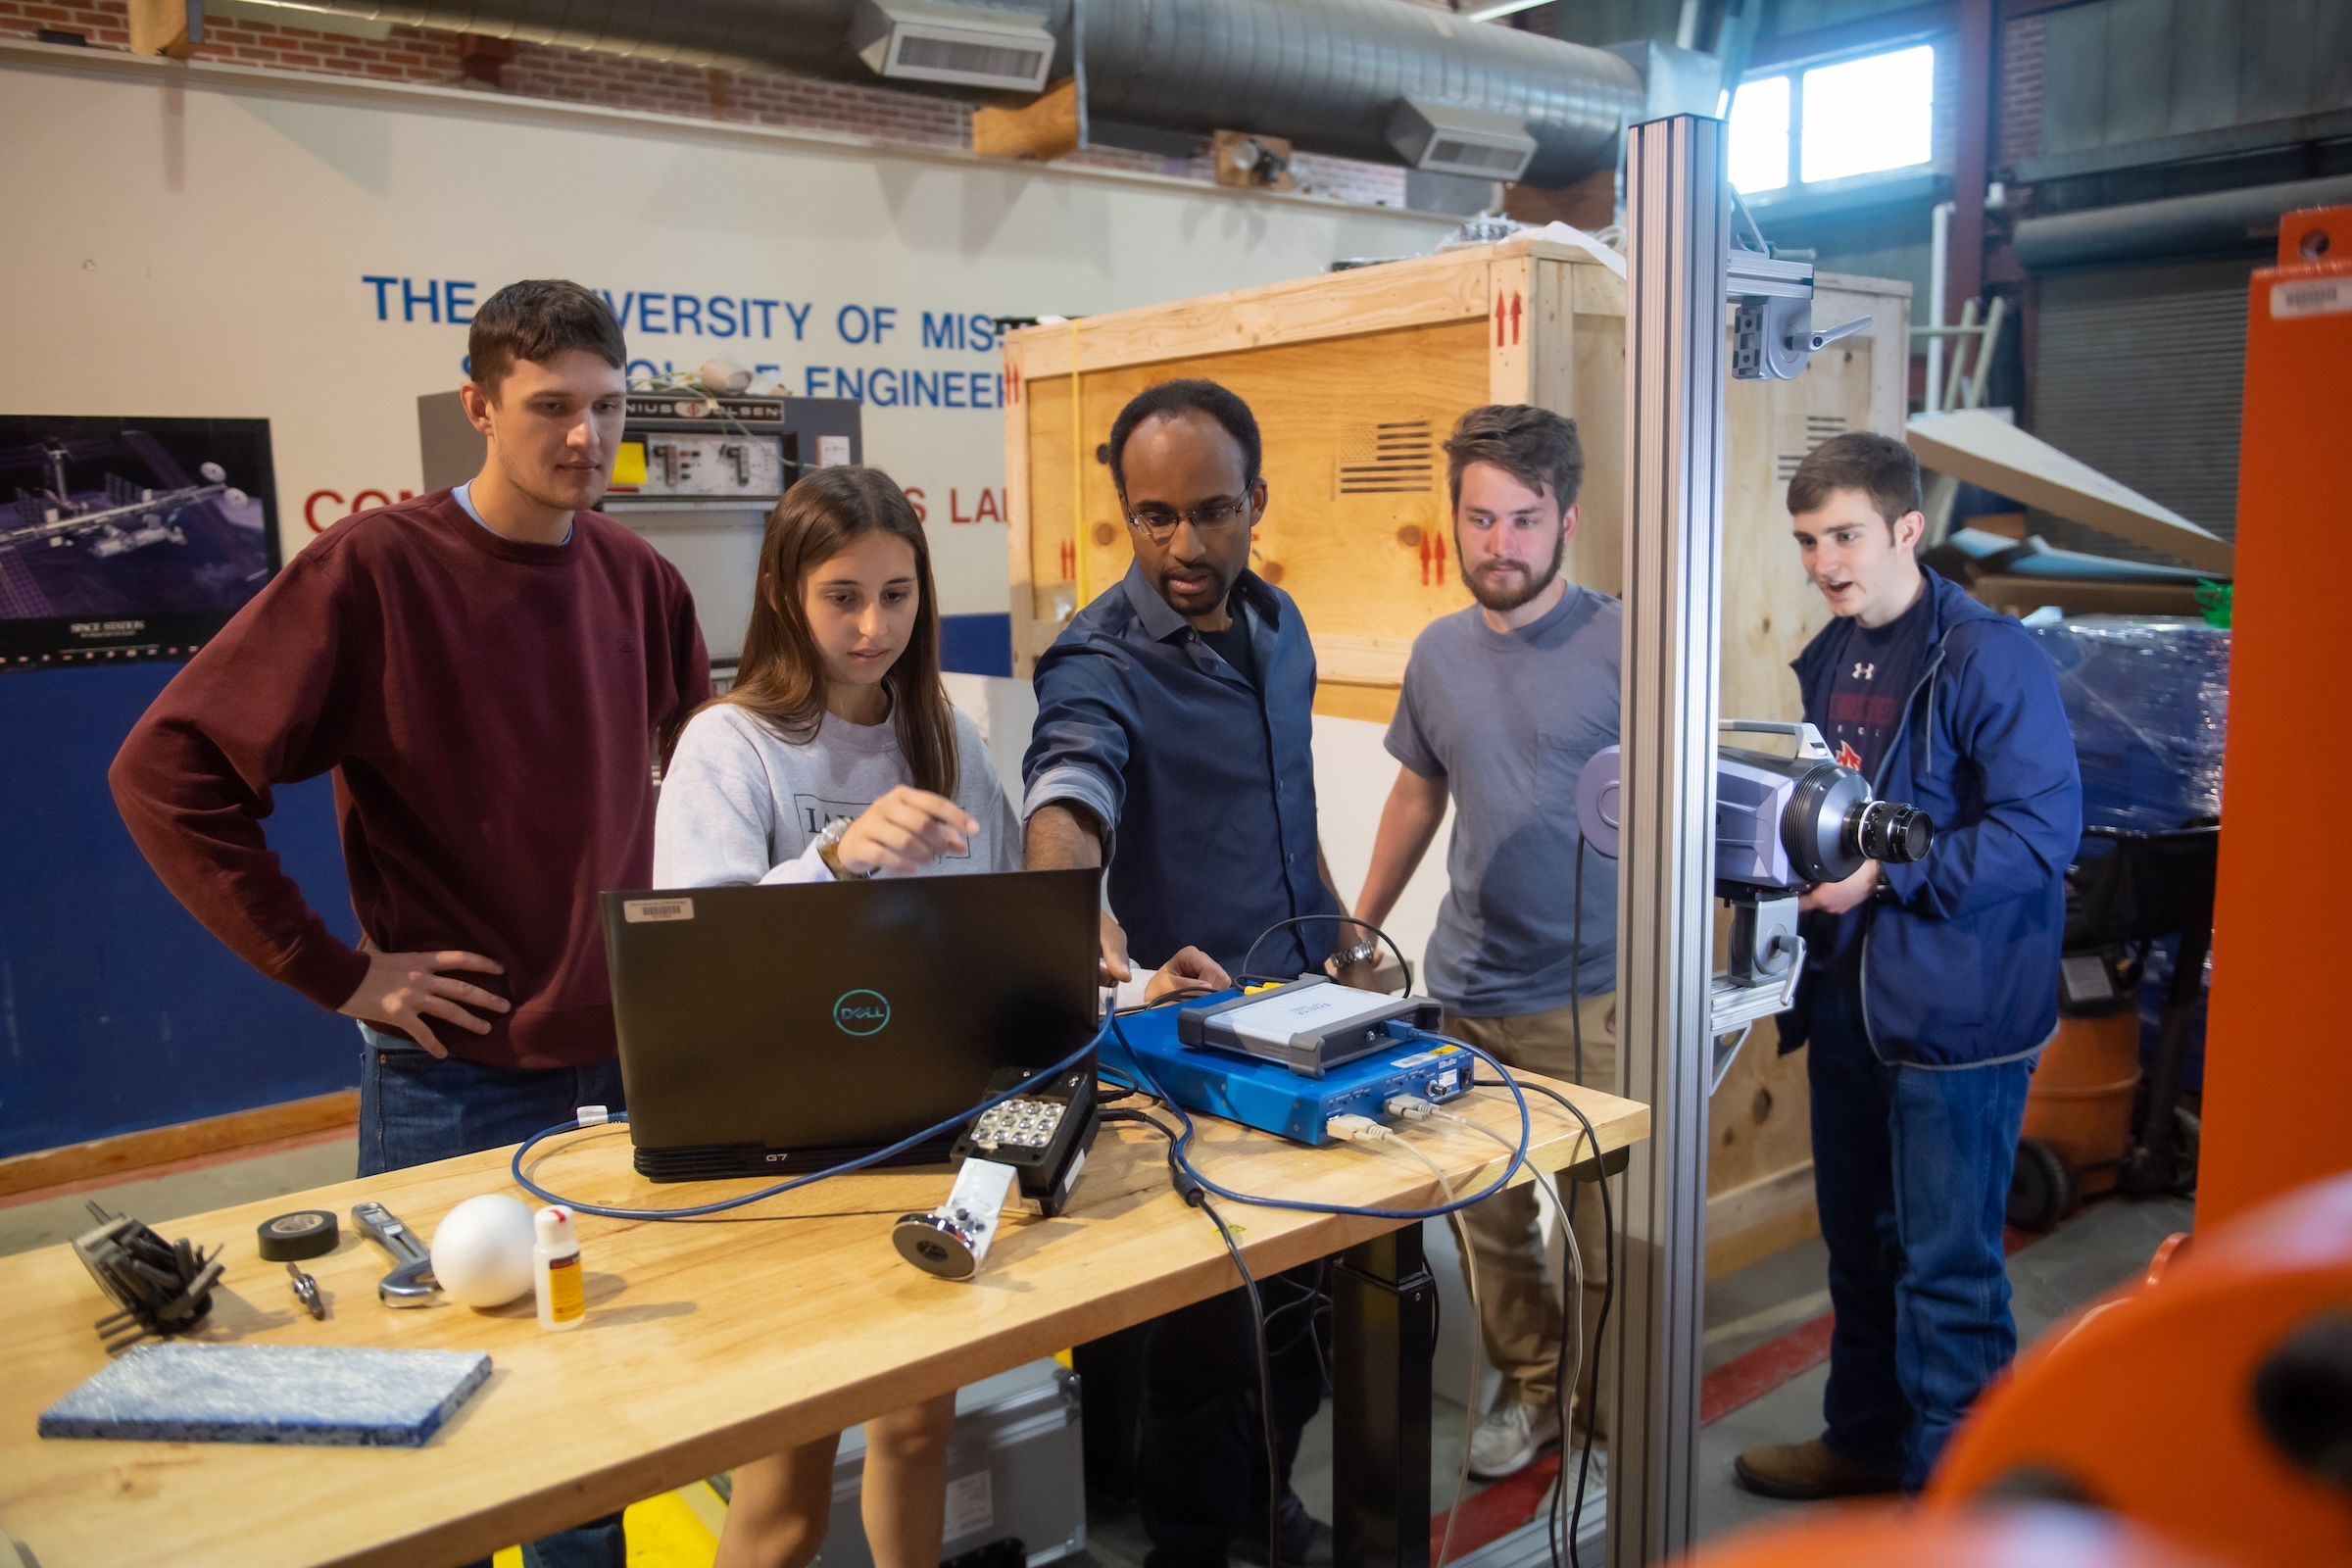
837 754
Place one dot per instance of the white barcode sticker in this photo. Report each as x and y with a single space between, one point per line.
832 451
2317 296
637 911
971 1506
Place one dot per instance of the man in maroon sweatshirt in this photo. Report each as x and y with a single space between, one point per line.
489 673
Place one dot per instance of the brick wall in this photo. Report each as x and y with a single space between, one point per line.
572 76
2019 135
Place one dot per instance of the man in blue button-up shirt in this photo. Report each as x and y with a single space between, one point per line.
1175 721
1176 713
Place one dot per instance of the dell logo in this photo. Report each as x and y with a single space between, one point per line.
862 1012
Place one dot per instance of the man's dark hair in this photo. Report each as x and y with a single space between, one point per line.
1878 465
537 320
1534 446
1175 399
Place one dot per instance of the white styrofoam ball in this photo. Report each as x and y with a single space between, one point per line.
482 1250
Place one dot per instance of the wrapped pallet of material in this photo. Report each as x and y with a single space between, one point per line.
2148 700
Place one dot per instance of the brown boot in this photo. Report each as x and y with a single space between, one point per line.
1808 1471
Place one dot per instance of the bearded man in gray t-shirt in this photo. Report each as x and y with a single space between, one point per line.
1503 704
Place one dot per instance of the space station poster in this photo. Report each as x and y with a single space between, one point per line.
125 539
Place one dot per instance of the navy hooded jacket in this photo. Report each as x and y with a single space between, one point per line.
1960 951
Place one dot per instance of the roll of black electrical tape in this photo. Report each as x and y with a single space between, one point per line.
304 1233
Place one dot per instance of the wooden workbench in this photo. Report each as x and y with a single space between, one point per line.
707 1342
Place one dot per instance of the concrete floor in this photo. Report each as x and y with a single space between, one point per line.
2094 1251
2091 1253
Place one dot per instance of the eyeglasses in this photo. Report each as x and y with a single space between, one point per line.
1159 522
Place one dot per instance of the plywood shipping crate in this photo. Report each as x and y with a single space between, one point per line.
1356 378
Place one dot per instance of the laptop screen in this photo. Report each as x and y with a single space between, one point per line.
773 1029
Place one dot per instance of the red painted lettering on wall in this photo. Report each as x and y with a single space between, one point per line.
360 500
989 509
915 497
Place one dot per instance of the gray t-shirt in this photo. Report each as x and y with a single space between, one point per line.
740 804
1508 720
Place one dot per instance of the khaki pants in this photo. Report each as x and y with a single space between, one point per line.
1521 1310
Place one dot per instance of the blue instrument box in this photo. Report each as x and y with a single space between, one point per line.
1267 1096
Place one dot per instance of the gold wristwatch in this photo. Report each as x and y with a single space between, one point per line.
828 849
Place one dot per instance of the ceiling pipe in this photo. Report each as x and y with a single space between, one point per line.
2182 225
1325 75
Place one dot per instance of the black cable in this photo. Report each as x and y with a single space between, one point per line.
1576 962
1559 1377
1601 1325
1192 1193
1563 1397
1337 920
1265 1382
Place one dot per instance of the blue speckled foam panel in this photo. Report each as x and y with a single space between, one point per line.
328 1394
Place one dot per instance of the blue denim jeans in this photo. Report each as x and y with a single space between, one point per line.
1911 1170
414 1109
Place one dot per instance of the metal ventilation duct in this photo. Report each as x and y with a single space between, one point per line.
1440 139
964 45
2180 226
1326 74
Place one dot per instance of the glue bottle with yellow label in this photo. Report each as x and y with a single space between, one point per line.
556 1266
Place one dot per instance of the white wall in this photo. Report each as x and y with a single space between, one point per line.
195 240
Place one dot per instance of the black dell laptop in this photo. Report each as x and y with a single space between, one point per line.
780 1029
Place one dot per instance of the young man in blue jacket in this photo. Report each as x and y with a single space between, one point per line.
1929 989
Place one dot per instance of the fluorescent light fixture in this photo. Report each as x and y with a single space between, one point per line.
966 46
1443 139
1490 13
1759 135
1866 115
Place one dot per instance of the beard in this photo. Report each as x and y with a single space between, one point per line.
1504 586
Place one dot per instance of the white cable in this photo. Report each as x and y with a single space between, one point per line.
1564 1399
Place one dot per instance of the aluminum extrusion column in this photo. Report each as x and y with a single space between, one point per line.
1679 216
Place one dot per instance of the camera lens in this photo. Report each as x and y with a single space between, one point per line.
1883 830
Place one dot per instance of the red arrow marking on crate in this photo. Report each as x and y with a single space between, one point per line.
1439 542
1514 318
1498 320
1424 561
1013 383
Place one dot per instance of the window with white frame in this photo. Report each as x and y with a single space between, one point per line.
1871 116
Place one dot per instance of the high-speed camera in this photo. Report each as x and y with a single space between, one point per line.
1782 825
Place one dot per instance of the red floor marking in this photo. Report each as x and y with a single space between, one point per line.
1493 1513
1744 1379
1511 1503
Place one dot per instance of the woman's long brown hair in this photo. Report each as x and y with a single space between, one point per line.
782 677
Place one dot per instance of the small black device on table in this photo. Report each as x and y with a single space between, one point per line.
1044 1135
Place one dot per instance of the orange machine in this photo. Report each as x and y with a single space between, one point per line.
1878 1536
2213 1405
2278 1074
